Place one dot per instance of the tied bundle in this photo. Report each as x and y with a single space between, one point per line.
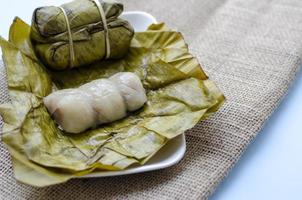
80 33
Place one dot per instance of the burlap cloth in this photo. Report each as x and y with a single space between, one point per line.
251 48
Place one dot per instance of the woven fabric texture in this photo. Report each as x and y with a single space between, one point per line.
252 49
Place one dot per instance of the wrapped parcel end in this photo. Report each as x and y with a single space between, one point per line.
79 33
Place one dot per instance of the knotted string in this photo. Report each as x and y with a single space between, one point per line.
106 33
103 18
71 48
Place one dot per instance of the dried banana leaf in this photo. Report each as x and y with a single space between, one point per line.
178 91
51 40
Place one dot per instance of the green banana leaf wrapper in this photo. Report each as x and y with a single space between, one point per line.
179 96
50 36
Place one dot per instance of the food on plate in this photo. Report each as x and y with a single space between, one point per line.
179 95
97 102
80 33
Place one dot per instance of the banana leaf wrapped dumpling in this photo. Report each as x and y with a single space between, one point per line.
79 33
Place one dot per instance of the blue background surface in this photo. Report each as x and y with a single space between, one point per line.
271 168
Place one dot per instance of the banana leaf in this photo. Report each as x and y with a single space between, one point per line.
179 96
51 40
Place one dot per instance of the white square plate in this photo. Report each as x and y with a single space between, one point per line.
175 149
